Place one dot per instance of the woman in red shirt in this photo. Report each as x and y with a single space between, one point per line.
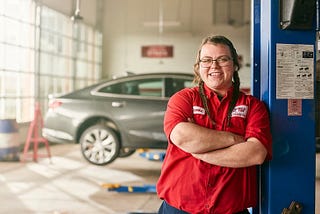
217 136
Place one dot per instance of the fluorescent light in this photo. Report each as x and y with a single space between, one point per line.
165 24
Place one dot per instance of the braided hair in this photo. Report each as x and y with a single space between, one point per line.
217 39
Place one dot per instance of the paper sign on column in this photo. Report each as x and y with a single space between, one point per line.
295 71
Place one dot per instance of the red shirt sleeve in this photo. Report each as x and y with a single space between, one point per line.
179 109
258 125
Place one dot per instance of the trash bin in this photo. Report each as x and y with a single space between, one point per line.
9 140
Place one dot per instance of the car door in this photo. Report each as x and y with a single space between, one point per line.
137 108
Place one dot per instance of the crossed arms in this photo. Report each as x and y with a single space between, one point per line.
218 147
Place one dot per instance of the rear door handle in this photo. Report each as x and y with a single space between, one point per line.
118 104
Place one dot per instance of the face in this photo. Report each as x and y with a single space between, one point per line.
217 77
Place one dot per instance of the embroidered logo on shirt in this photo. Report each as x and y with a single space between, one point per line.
240 111
198 110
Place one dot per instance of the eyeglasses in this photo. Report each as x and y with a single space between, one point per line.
221 61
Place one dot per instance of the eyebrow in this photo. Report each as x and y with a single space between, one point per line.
217 57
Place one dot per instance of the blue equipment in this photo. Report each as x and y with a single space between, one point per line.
284 48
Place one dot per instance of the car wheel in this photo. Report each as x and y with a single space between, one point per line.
126 152
99 145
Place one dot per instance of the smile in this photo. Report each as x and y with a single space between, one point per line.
214 74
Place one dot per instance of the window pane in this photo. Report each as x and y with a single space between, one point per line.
67 56
25 109
98 39
10 84
2 9
8 106
81 83
2 55
26 81
2 86
26 59
11 31
97 54
82 70
46 63
67 47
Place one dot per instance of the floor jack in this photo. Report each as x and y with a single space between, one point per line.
130 189
153 156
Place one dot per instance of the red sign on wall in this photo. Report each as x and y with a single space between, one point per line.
157 51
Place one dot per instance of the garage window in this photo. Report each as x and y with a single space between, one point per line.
42 53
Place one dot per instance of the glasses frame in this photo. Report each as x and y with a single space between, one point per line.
222 61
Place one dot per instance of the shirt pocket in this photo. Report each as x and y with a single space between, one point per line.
202 120
237 126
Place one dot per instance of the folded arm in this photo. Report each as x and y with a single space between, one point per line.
252 152
193 138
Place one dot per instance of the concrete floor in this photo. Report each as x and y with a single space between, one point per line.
71 185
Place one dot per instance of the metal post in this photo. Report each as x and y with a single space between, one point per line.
287 85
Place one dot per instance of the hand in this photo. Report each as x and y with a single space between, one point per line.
237 138
191 120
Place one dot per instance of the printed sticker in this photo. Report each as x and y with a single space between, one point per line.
240 111
198 110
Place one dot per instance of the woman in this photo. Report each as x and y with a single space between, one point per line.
217 136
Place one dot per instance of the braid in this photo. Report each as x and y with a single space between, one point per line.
205 101
235 95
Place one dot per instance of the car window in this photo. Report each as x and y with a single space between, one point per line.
151 87
142 87
174 85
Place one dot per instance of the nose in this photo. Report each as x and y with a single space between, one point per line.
214 64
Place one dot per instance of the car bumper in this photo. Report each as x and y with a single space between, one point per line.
57 136
59 128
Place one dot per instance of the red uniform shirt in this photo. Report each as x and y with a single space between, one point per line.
198 187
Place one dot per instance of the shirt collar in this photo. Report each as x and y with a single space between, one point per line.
209 93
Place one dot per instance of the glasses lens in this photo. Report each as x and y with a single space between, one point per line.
224 61
206 63
221 61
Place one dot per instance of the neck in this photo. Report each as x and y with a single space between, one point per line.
221 92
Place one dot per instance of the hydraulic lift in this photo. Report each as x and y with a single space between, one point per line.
283 67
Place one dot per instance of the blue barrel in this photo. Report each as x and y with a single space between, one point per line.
9 140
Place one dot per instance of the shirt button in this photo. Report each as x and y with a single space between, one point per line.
207 206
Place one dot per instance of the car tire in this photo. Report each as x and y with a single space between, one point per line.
99 145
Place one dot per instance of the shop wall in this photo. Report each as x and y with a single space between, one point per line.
125 32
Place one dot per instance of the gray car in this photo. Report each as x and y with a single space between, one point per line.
114 118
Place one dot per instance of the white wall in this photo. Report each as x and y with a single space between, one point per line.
124 35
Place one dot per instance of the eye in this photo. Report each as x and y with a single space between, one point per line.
223 59
206 60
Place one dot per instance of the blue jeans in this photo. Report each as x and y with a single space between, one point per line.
166 208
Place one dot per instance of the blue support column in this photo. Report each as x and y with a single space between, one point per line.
290 176
255 42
